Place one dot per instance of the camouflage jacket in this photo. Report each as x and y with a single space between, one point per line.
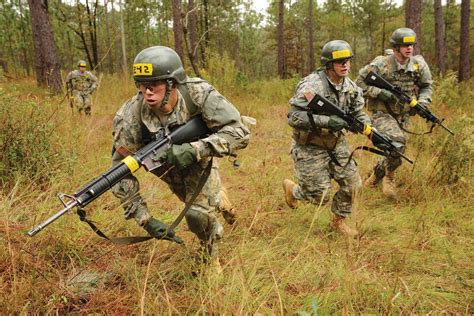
135 121
414 78
349 97
84 82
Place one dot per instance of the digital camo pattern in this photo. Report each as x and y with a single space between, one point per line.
387 125
81 86
135 118
314 167
414 78
314 170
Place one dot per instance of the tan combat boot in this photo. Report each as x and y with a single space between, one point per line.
341 227
288 187
389 188
226 208
372 180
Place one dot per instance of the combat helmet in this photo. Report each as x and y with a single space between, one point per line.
336 50
158 63
81 63
403 36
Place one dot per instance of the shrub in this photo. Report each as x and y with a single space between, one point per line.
25 137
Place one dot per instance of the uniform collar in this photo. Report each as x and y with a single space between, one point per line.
410 66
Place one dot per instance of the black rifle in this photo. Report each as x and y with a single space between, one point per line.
192 130
322 106
378 81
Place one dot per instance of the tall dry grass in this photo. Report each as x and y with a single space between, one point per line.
414 257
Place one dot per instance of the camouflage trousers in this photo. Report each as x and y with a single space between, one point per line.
201 217
388 125
82 102
314 169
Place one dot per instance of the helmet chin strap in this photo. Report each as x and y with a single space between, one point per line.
169 86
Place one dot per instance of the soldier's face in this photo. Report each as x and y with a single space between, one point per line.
154 93
342 67
406 50
82 69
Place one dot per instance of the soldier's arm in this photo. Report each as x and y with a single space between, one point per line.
93 82
230 134
425 83
298 118
125 134
369 91
358 106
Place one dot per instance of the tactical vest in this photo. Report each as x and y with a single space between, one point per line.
406 80
323 137
81 82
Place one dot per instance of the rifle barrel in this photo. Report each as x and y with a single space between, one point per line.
64 210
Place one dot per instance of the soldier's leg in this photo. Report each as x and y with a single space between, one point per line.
388 126
349 184
201 217
312 173
127 190
78 101
87 104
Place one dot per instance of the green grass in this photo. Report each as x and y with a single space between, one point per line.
414 257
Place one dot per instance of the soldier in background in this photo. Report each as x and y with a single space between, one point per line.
389 116
321 154
80 84
167 98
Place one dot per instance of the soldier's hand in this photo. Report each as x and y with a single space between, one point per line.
387 96
160 230
336 123
180 156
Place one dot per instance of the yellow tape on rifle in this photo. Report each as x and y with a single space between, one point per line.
413 102
367 130
131 163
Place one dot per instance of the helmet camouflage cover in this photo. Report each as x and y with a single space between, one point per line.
158 63
81 63
335 50
403 36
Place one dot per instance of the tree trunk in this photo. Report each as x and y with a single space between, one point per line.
464 65
205 30
310 66
48 71
177 28
193 36
109 50
124 51
190 37
440 44
413 21
280 36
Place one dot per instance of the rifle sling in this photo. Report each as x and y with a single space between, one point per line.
137 239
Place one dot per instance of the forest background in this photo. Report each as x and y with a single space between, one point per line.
414 256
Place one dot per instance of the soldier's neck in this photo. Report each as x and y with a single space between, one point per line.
400 59
334 78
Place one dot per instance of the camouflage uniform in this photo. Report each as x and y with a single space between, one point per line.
414 78
82 85
312 149
135 121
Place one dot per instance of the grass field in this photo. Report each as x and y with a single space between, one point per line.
413 257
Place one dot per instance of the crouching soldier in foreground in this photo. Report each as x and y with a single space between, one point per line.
168 98
320 152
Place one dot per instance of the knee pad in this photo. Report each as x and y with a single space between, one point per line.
205 226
